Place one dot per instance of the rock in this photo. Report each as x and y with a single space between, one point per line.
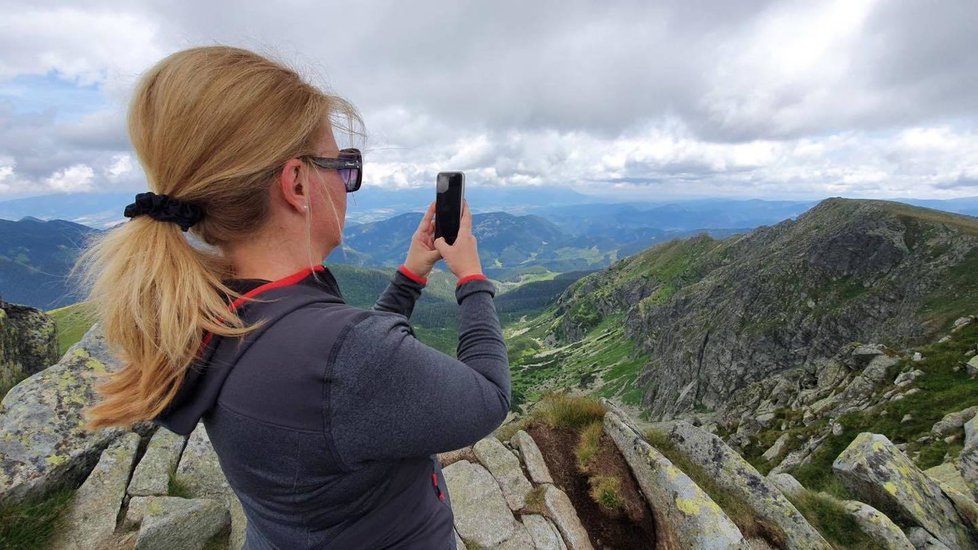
532 457
907 378
482 515
787 484
793 460
906 418
737 476
837 429
968 458
962 322
505 467
953 422
917 356
684 514
873 468
879 527
776 449
152 475
200 472
173 522
543 532
765 419
864 353
972 366
559 507
43 443
28 342
91 516
459 544
944 339
921 540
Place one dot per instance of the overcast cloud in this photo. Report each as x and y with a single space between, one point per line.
800 99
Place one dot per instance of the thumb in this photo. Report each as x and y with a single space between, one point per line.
441 246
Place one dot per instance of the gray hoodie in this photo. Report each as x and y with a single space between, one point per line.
326 420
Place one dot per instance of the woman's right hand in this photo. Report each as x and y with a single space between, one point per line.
462 257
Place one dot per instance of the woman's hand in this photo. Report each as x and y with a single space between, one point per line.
422 254
462 256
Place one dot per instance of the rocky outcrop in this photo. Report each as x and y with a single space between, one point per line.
484 516
718 315
875 469
28 343
91 516
687 517
43 445
737 476
878 526
968 459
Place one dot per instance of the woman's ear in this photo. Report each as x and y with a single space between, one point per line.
291 185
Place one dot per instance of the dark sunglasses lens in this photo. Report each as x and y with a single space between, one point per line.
351 177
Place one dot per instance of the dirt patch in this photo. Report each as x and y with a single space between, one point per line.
633 527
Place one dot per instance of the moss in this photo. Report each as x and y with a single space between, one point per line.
534 502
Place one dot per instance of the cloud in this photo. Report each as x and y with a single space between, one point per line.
758 98
72 179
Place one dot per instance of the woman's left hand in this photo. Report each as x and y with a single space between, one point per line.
423 255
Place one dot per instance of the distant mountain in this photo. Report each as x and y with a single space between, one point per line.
508 245
35 257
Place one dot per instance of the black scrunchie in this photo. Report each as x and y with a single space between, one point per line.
165 209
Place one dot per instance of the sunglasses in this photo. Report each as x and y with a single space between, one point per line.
349 163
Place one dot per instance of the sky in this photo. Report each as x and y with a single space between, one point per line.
684 99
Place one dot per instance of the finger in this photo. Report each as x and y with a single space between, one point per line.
465 224
441 246
428 215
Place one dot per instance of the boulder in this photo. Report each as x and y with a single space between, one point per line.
776 449
28 343
559 507
544 533
173 522
968 459
736 475
922 540
787 484
685 515
879 527
90 518
872 467
948 474
532 457
505 467
482 515
152 475
43 443
907 378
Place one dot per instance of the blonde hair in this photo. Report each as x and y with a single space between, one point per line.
213 126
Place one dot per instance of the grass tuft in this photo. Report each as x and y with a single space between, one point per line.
606 491
588 445
32 524
565 411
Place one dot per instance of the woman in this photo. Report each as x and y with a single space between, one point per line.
325 418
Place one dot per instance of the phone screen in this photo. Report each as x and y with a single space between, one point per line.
448 205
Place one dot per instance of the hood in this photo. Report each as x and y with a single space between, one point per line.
206 375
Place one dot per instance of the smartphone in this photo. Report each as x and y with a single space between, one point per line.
450 190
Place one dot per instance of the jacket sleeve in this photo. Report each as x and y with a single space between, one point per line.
392 396
400 295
